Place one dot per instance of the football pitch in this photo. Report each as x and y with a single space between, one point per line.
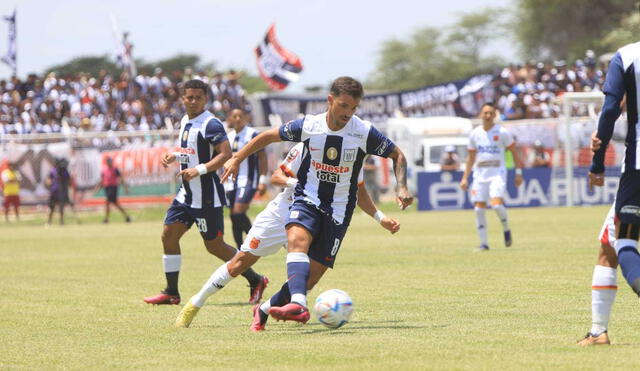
71 297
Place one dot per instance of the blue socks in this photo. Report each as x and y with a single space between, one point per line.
298 272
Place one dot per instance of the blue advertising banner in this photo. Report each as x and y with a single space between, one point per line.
441 190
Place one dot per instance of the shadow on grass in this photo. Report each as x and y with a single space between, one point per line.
352 327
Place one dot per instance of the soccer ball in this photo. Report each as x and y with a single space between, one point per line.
333 308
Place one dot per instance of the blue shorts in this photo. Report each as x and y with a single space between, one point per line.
210 220
241 195
327 235
628 197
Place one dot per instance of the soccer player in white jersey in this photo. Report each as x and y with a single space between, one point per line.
251 177
325 195
203 149
268 235
487 145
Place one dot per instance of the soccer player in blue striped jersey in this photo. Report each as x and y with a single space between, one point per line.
203 149
622 79
252 176
325 195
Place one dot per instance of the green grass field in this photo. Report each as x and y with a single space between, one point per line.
71 297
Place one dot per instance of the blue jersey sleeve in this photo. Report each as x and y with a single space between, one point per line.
614 83
614 92
292 131
214 132
378 144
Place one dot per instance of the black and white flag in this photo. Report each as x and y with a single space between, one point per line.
10 57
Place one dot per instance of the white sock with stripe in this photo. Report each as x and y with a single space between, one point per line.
481 224
215 283
603 292
502 215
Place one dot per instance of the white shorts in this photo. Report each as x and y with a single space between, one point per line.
267 235
485 189
608 232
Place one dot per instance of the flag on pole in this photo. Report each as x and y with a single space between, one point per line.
277 66
10 58
124 59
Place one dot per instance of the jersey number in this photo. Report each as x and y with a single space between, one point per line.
202 225
336 246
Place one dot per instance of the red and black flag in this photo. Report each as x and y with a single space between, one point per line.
277 66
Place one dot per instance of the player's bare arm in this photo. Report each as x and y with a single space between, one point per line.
223 150
518 161
471 159
263 167
279 178
404 197
259 142
366 204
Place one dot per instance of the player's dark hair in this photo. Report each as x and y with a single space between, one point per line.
346 85
196 84
488 104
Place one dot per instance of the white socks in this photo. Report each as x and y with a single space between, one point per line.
603 292
171 263
217 281
502 215
481 224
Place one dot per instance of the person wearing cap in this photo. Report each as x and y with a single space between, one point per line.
450 161
11 190
540 156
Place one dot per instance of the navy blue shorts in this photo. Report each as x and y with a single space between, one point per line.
111 193
242 195
327 235
210 220
628 197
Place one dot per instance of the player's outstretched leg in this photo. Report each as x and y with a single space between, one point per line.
603 293
481 227
215 283
298 273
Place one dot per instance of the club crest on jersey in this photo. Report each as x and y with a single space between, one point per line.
185 135
349 155
254 243
495 138
332 153
292 155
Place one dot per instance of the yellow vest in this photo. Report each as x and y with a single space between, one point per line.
10 189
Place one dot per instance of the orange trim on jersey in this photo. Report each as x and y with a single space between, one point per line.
287 171
610 287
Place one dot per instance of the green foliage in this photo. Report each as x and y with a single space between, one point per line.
432 56
252 83
628 32
86 64
565 29
176 63
72 299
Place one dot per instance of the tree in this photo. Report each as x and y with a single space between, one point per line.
565 29
432 56
628 32
88 64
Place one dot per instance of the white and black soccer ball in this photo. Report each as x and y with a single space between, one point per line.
333 308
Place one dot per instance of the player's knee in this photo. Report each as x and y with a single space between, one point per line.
481 205
607 256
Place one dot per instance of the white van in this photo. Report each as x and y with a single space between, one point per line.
423 139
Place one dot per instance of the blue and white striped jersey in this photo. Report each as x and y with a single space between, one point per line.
623 77
248 173
328 175
198 137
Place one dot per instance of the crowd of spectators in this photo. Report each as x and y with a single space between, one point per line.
529 91
53 103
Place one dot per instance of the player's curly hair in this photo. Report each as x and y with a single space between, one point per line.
346 85
196 84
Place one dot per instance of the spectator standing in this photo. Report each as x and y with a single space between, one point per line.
450 160
111 180
58 183
540 156
11 190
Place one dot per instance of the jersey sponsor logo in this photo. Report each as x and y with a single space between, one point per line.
254 243
287 131
355 135
330 168
630 209
382 148
493 149
183 158
187 151
217 137
349 155
325 176
332 153
314 149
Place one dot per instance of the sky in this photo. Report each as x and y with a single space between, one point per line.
332 37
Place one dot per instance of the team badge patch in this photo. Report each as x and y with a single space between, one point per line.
349 155
332 153
495 138
292 155
185 135
254 243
